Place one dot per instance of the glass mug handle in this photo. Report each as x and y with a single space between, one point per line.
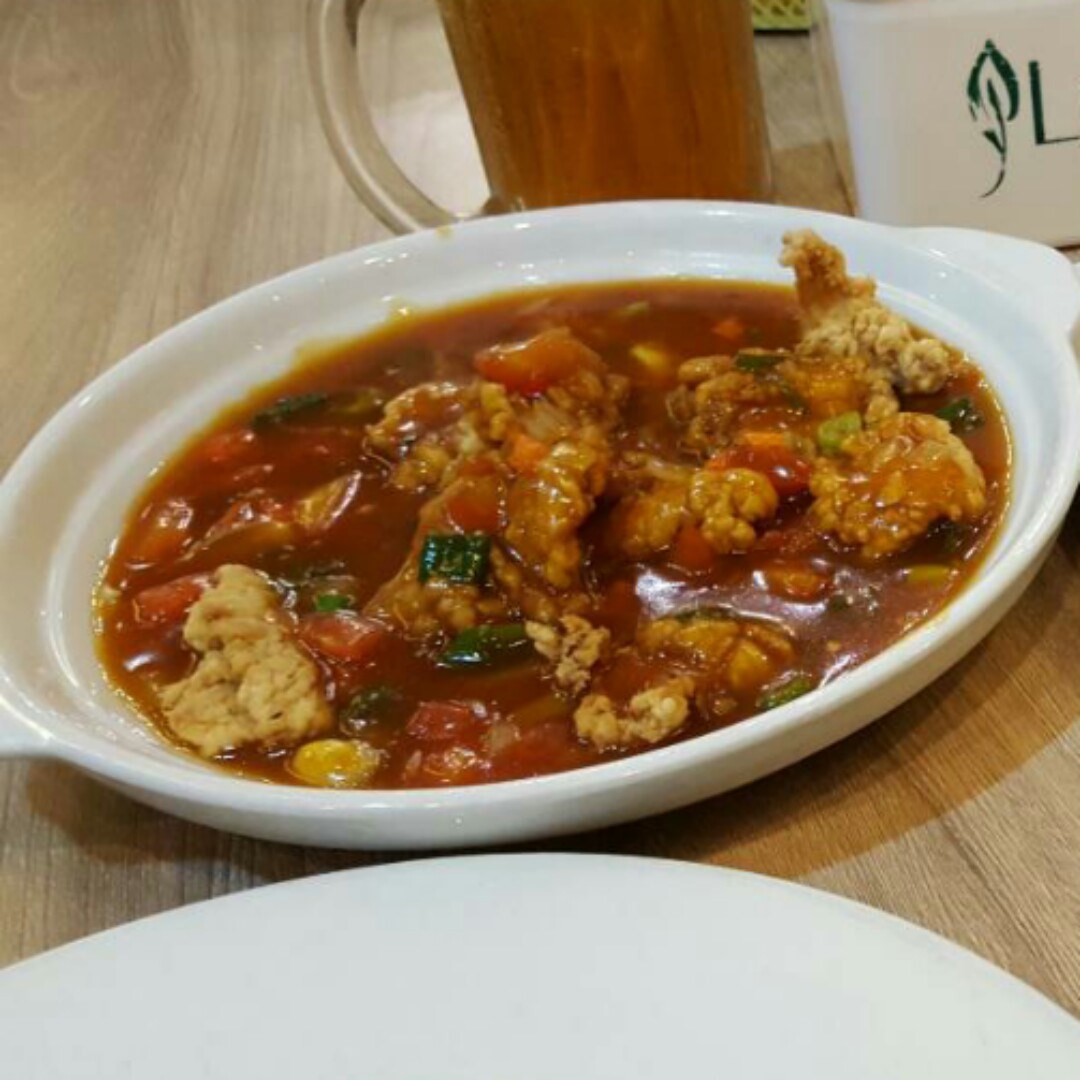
333 28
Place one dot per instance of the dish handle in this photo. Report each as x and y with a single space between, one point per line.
19 738
1040 276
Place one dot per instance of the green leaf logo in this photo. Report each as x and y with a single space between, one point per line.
993 94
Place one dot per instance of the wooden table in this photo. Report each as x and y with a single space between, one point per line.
156 157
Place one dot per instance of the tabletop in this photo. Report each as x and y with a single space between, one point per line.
155 158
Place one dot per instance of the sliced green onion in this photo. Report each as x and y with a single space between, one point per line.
834 432
458 557
757 362
329 601
487 644
962 414
795 686
373 702
286 408
372 705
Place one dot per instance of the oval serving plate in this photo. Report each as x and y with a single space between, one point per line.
1008 303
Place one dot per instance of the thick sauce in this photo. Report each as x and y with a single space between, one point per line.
866 608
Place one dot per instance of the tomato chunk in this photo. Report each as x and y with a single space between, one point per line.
691 551
446 721
474 504
161 605
342 635
788 473
530 367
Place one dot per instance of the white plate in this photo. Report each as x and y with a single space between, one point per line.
558 967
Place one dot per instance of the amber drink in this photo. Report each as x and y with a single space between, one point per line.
595 100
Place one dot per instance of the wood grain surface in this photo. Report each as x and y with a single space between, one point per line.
156 157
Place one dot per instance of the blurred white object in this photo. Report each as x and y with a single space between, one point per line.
959 112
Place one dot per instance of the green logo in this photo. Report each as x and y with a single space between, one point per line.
993 93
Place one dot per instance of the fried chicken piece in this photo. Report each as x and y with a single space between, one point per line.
650 717
253 684
893 481
739 654
843 317
574 646
546 509
715 393
724 503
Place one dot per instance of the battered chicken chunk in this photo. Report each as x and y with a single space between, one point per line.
650 717
546 508
253 684
843 317
724 503
740 654
893 481
574 646
715 393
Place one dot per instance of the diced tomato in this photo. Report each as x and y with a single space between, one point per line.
540 749
797 538
691 551
627 675
446 721
162 531
473 505
530 367
787 472
160 605
619 607
227 448
342 635
526 453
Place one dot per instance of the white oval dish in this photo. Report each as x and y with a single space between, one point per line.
1011 304
531 967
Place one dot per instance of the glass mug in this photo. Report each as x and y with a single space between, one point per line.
572 101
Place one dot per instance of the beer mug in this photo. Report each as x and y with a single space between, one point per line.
571 101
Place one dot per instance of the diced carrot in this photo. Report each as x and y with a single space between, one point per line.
482 465
474 506
730 330
160 605
226 448
691 551
526 453
342 635
446 721
162 531
530 367
795 581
